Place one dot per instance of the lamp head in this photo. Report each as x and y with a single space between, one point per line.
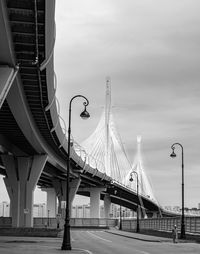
173 155
85 114
131 178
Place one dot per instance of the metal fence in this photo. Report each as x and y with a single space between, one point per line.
192 224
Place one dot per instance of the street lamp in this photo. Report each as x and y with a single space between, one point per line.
120 208
66 244
131 179
173 155
120 211
48 218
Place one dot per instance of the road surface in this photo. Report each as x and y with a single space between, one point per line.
100 242
93 242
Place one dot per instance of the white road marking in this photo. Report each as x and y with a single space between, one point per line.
99 237
87 251
143 252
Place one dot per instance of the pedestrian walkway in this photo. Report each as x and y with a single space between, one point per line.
138 236
144 237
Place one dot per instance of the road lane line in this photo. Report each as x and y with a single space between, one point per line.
87 251
99 237
143 252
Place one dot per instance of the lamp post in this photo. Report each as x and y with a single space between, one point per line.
48 218
42 213
131 179
120 211
182 236
66 244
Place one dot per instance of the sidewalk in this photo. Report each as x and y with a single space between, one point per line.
32 245
144 237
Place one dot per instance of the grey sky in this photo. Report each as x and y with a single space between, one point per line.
151 51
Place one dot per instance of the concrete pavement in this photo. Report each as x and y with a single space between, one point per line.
33 245
44 245
138 236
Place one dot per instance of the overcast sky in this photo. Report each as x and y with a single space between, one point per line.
151 51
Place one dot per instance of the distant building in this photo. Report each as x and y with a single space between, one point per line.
80 211
188 211
39 210
83 211
114 211
4 209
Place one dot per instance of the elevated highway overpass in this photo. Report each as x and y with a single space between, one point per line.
33 144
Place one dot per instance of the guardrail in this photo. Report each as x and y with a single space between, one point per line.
192 224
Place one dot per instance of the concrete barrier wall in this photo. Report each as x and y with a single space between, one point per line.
192 224
93 222
5 222
55 223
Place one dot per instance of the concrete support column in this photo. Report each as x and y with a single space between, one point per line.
139 211
95 202
152 214
74 185
22 176
60 189
51 202
59 204
155 215
13 192
107 205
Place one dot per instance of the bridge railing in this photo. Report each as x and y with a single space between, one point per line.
192 224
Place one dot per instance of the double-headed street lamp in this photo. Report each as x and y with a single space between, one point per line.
131 179
66 244
182 236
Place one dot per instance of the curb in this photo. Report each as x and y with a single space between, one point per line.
137 238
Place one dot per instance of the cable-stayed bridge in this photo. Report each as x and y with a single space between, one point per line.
33 144
106 146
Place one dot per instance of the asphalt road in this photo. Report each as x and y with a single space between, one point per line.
93 242
99 242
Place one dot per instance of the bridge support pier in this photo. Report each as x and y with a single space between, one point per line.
95 202
107 205
152 214
60 189
51 202
73 189
22 176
